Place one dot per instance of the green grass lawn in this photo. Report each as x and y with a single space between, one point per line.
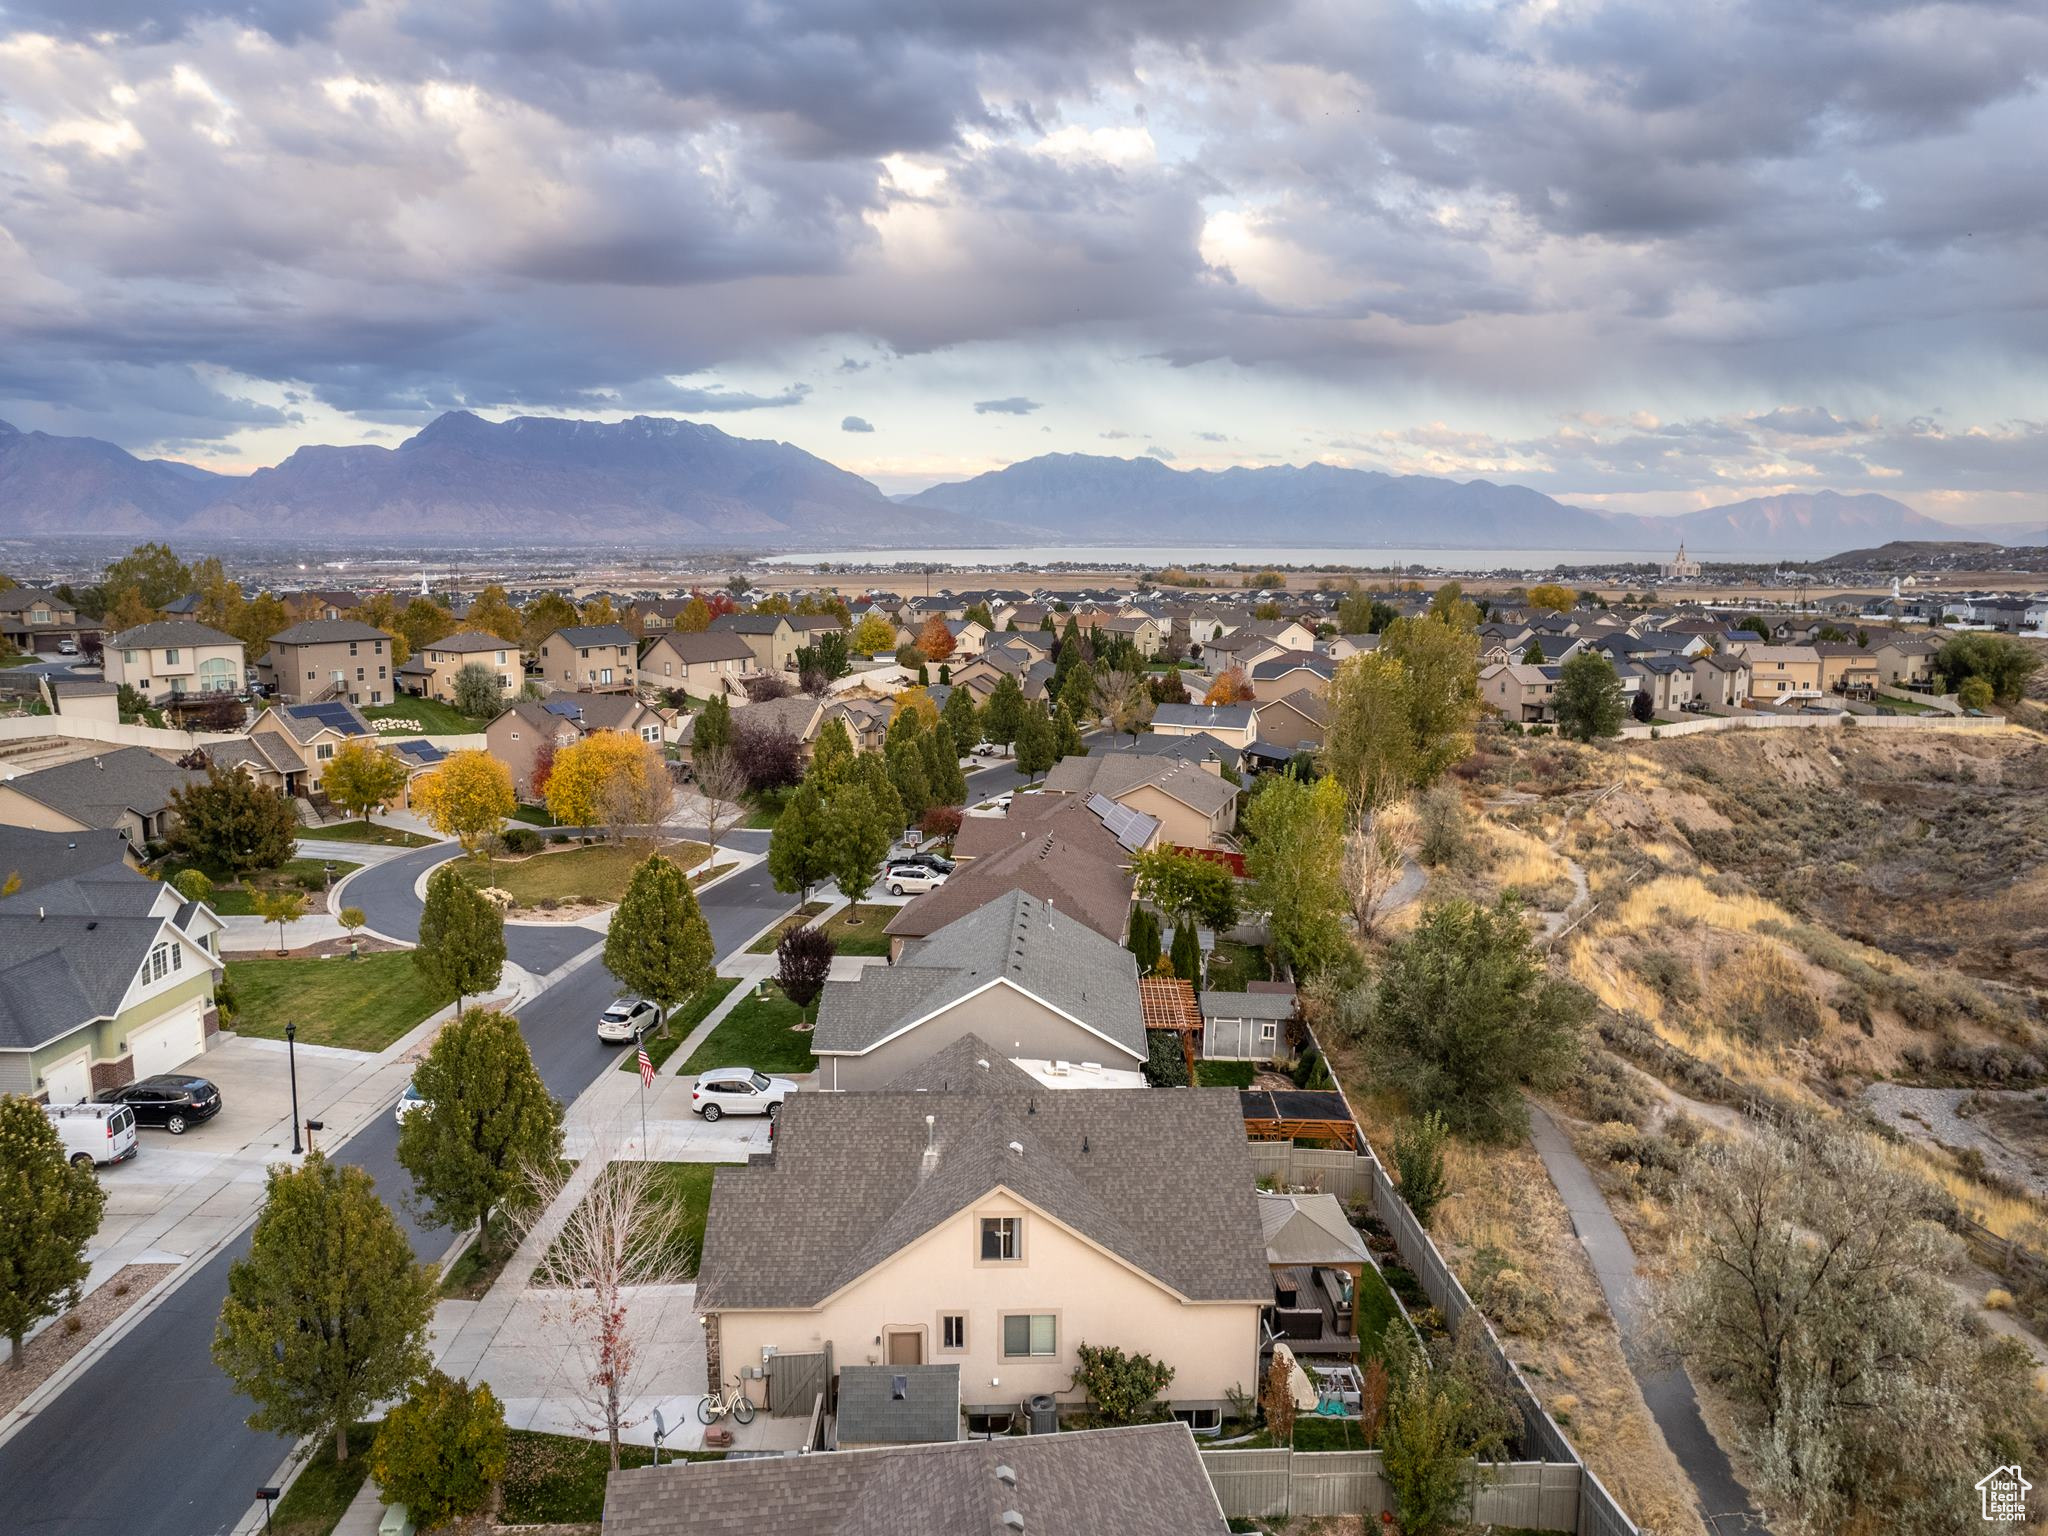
1376 1310
300 874
360 1005
434 717
535 816
594 873
759 1033
680 1023
472 1271
316 1501
366 832
1233 964
1223 1074
1317 1432
867 939
1886 703
766 810
559 1480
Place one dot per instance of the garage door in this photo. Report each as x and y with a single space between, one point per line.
167 1044
70 1080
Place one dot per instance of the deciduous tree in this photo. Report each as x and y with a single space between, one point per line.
798 857
803 961
863 817
1588 698
1123 701
935 641
1186 885
659 944
693 618
1035 752
442 1451
722 787
1230 687
328 1315
713 730
771 757
1549 597
1373 863
1294 850
1369 744
873 635
1999 660
282 907
362 777
493 613
467 798
1003 716
49 1211
599 776
231 824
461 951
477 693
942 766
962 719
153 572
1066 735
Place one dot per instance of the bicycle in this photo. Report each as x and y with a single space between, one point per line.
732 1400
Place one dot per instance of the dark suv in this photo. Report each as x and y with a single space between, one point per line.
170 1100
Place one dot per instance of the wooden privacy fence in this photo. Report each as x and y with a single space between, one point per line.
795 1382
1283 1484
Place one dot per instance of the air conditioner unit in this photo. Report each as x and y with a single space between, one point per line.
1057 1069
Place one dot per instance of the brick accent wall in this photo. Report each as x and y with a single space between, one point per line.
112 1074
212 1022
714 1377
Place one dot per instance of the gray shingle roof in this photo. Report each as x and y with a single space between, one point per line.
471 640
1206 717
1146 1480
1116 774
43 858
580 635
1015 939
97 791
706 646
1064 855
749 623
1161 1178
871 1411
1247 1005
169 632
327 631
1275 667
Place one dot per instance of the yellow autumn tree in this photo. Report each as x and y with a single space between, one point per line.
467 798
919 701
597 780
1553 598
874 635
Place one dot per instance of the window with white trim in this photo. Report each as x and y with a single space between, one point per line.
953 1332
1030 1335
1002 1239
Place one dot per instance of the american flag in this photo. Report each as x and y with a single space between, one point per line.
646 1068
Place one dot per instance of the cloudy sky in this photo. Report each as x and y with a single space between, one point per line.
1649 256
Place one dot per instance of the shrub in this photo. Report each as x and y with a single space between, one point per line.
803 959
441 1450
1166 1065
1998 1299
1124 1388
523 840
193 885
1441 822
1518 1302
1666 973
1419 1164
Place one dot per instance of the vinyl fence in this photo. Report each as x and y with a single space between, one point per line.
1282 1484
1359 1176
1815 723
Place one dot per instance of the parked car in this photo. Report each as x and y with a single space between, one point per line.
739 1091
987 749
408 1101
906 879
170 1099
94 1133
934 861
67 647
627 1020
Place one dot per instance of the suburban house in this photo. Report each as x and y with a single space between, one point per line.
1295 721
1073 855
322 603
126 789
42 623
589 658
1243 648
1783 671
174 657
1290 671
1196 808
1518 691
1060 998
1905 662
1141 629
430 671
526 728
288 745
1143 1480
1344 647
970 638
1665 678
967 1215
1721 680
798 715
45 857
770 636
105 976
1287 634
1237 724
705 666
866 721
323 659
1847 668
1247 1026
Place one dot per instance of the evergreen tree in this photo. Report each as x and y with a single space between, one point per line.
1187 953
49 1211
832 756
908 777
1588 699
1078 692
1004 715
962 719
487 1122
1533 656
713 731
942 766
658 943
462 939
797 855
1066 736
1144 939
328 1315
1035 751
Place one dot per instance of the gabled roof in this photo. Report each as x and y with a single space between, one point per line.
306 721
1278 1006
1305 702
750 623
1276 667
98 791
707 645
1014 940
1059 850
797 715
42 858
471 640
169 632
1207 717
1160 1179
1117 774
327 632
581 635
1309 1229
1145 1480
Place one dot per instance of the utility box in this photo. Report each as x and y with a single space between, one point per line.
396 1521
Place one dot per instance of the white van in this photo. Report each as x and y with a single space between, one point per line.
94 1133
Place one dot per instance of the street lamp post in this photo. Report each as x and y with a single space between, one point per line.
291 1052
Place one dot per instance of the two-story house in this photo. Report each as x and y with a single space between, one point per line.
127 789
1906 661
330 659
1194 806
41 623
770 636
1779 672
589 658
968 1215
173 657
1237 724
430 671
526 730
705 666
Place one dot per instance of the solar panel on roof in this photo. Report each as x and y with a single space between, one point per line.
568 707
1132 829
336 715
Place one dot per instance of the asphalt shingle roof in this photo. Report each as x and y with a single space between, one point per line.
1063 854
1206 717
327 631
169 632
871 1412
1016 939
581 635
97 791
1116 774
1146 1480
43 858
471 640
1160 1178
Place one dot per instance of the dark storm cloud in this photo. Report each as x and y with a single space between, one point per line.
1010 405
856 424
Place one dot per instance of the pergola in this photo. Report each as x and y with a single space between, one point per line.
1293 1114
1169 1004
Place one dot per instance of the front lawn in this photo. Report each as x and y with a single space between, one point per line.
294 874
472 1272
420 717
765 809
1223 1074
374 832
317 1499
760 1033
589 874
867 939
359 1005
559 1479
680 1023
535 816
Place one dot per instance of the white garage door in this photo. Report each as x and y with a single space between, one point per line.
70 1080
169 1043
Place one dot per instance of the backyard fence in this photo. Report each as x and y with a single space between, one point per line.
1816 722
1283 1484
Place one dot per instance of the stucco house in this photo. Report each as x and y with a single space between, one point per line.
705 666
1237 724
1905 661
325 659
516 738
770 636
1782 671
589 658
966 1215
125 789
105 976
430 671
1195 807
1291 671
294 742
1519 692
1721 680
174 657
42 623
1296 721
1061 999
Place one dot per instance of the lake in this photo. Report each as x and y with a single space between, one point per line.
1156 555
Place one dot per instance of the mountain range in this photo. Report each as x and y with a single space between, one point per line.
666 482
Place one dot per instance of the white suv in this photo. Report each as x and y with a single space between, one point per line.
739 1091
627 1020
911 879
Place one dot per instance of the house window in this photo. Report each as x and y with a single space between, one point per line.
1002 1239
953 1331
1268 1032
352 647
170 656
129 657
1030 1335
159 962
501 658
324 751
360 674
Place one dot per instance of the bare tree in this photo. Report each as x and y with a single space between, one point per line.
1124 700
640 797
1373 863
619 1241
722 784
